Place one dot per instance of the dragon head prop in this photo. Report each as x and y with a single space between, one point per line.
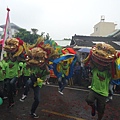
101 54
15 47
36 57
12 45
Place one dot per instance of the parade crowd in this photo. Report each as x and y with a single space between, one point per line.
15 75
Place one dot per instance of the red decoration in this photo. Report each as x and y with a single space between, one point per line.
70 50
118 54
20 41
8 9
1 41
40 44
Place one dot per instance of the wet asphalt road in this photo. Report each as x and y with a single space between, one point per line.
54 106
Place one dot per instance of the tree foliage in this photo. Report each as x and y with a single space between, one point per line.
34 31
26 36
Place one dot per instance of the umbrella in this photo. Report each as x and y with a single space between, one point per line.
84 50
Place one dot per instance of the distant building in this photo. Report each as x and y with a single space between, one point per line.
14 29
104 32
79 41
115 34
63 43
103 28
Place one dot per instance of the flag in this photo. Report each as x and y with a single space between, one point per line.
7 32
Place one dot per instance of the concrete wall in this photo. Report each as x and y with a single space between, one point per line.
103 29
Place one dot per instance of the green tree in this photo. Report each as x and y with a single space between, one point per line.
34 31
26 36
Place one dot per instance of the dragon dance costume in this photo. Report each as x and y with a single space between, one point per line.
102 59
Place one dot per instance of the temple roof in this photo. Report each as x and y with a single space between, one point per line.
89 41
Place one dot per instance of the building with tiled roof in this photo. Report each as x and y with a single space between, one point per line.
104 32
88 41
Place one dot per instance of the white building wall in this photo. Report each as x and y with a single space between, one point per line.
14 31
103 29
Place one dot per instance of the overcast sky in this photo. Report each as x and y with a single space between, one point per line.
60 18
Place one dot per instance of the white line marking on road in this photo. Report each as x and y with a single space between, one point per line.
79 89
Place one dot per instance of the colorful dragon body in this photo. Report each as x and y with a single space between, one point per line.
59 57
57 49
64 65
117 66
39 53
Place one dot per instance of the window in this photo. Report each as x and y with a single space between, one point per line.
96 29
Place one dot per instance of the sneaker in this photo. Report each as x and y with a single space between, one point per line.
33 115
89 87
107 100
47 83
23 98
93 112
44 83
5 97
110 97
60 92
11 105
